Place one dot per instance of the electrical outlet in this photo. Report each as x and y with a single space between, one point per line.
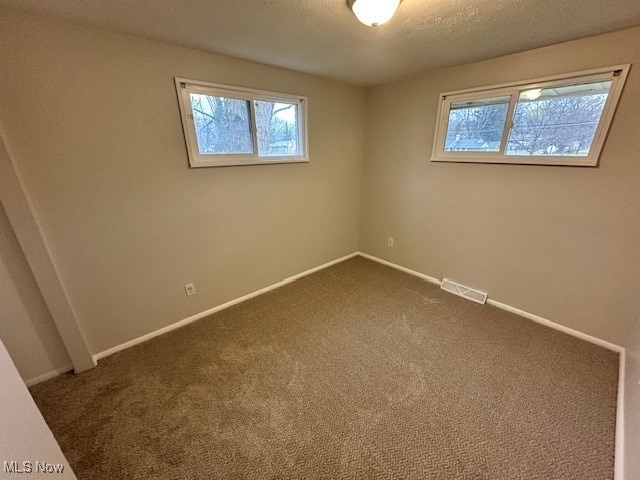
390 242
190 289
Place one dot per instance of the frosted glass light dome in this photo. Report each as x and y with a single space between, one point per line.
374 12
532 94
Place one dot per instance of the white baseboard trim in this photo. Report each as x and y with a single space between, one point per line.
206 313
48 376
618 470
508 308
428 278
556 326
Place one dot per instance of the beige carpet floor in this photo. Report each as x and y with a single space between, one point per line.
356 371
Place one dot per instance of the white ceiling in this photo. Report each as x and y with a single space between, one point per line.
323 37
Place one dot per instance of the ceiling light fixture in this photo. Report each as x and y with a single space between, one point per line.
532 94
374 12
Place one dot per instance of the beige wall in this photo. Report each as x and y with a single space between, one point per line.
92 121
25 435
26 326
559 242
632 405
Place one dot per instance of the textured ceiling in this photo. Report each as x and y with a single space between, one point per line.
323 37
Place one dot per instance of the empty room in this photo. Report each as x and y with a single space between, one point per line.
339 239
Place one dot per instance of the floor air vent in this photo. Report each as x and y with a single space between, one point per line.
462 291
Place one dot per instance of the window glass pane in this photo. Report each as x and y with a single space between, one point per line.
222 124
278 128
559 120
476 125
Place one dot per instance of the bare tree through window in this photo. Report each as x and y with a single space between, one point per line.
561 121
477 125
223 126
226 125
277 128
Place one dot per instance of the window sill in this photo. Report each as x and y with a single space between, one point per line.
248 161
522 160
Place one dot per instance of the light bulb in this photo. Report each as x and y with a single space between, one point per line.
374 12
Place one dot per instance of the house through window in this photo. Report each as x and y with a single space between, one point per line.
558 121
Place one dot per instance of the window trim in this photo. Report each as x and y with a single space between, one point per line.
185 86
513 90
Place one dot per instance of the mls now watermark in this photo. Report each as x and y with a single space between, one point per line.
32 467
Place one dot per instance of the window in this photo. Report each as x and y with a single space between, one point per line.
226 125
560 120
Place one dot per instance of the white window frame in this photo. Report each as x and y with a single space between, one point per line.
185 86
617 74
